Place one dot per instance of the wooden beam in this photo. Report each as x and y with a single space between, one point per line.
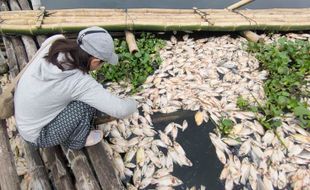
84 177
8 176
12 60
36 169
55 162
103 167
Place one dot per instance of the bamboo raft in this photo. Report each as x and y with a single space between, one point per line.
73 20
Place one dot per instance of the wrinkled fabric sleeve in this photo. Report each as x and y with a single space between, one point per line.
52 38
88 90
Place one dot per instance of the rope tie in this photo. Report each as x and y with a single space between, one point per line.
203 15
43 13
126 19
246 17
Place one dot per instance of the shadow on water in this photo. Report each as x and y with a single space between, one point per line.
196 142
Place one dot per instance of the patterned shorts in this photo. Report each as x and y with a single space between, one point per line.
70 128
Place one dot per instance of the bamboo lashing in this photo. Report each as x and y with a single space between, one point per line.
249 35
41 17
73 20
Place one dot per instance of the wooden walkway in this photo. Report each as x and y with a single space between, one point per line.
73 20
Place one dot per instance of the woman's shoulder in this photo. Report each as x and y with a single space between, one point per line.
52 39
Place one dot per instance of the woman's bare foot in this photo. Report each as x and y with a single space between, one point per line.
94 137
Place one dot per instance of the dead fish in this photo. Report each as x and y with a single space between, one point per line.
301 138
267 183
160 143
165 138
119 165
128 172
155 160
216 141
178 148
168 180
149 170
131 187
130 154
221 156
136 178
231 142
268 137
184 125
199 118
224 173
245 148
161 173
145 182
245 171
140 156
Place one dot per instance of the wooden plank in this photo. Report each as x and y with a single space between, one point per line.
55 162
103 167
84 177
36 169
8 175
20 52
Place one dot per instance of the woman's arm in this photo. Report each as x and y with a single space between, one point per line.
88 90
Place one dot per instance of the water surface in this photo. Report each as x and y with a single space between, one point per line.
184 4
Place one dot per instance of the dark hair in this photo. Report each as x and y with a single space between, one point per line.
75 57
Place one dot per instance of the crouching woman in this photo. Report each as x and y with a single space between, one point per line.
56 99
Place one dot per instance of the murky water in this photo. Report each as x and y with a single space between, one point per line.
186 4
199 149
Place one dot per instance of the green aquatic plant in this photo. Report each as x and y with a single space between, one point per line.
225 126
287 62
133 68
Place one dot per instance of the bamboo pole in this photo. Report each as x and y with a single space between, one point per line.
55 162
221 23
81 169
239 4
8 176
249 35
252 36
131 42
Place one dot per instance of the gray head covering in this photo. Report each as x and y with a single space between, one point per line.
98 42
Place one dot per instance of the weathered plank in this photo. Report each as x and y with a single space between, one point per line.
12 60
8 176
103 166
84 176
36 169
55 162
